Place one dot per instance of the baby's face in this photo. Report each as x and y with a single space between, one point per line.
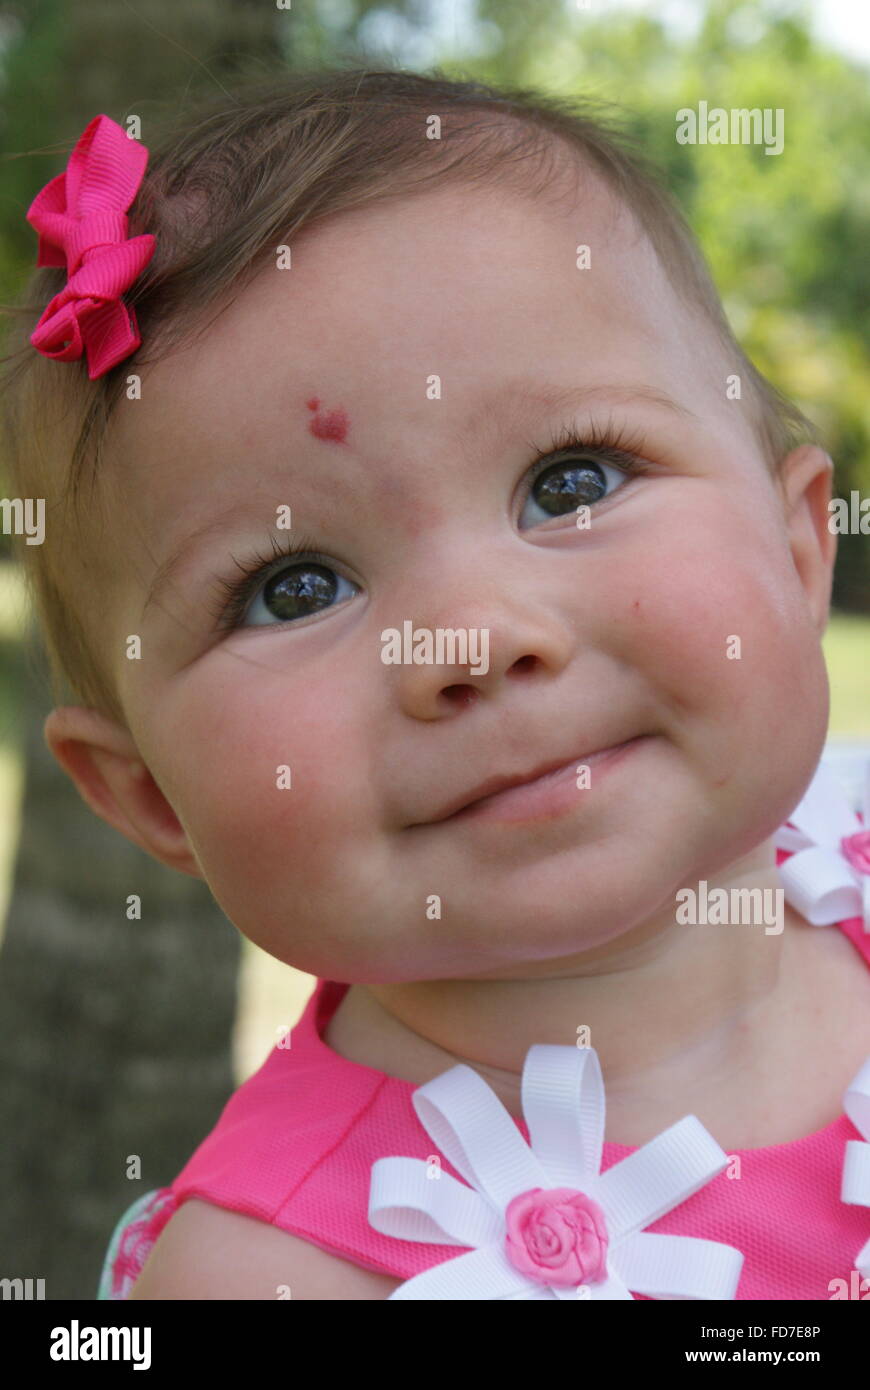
314 392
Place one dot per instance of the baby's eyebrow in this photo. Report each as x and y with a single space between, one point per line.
214 526
557 396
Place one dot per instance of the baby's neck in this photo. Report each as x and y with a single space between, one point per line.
711 1020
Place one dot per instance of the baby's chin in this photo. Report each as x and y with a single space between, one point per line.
507 948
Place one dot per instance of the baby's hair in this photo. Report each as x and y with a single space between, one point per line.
241 175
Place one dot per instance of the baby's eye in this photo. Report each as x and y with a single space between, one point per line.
579 480
295 591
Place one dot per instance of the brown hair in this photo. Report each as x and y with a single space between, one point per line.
240 175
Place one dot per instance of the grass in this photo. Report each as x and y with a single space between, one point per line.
846 645
272 995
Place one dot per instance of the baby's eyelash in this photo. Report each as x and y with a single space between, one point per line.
613 443
610 443
236 593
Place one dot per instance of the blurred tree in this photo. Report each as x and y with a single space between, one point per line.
115 1034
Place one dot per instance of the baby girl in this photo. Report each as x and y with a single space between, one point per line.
411 351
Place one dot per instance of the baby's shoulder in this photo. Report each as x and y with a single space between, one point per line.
208 1252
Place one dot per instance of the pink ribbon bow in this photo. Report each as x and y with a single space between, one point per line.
81 218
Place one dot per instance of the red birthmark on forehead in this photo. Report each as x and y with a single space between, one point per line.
327 424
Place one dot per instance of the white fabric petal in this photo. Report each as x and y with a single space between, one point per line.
855 1186
406 1203
480 1274
534 1291
659 1176
792 840
678 1267
563 1106
821 884
474 1131
823 814
605 1290
856 1101
818 880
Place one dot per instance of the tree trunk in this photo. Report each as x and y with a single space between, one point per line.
114 1034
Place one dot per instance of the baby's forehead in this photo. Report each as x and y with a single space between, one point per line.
411 282
436 302
465 228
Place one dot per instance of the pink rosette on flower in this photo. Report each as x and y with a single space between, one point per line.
557 1236
857 850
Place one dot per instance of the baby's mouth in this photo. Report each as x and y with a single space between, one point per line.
525 795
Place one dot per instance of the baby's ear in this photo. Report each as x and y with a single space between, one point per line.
104 763
805 479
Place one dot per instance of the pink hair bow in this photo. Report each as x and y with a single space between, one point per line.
81 218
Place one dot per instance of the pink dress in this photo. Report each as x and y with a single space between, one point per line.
295 1145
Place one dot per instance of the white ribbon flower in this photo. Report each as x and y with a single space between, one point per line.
856 1164
542 1220
827 877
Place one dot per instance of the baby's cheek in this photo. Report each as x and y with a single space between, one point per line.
722 611
274 790
731 643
